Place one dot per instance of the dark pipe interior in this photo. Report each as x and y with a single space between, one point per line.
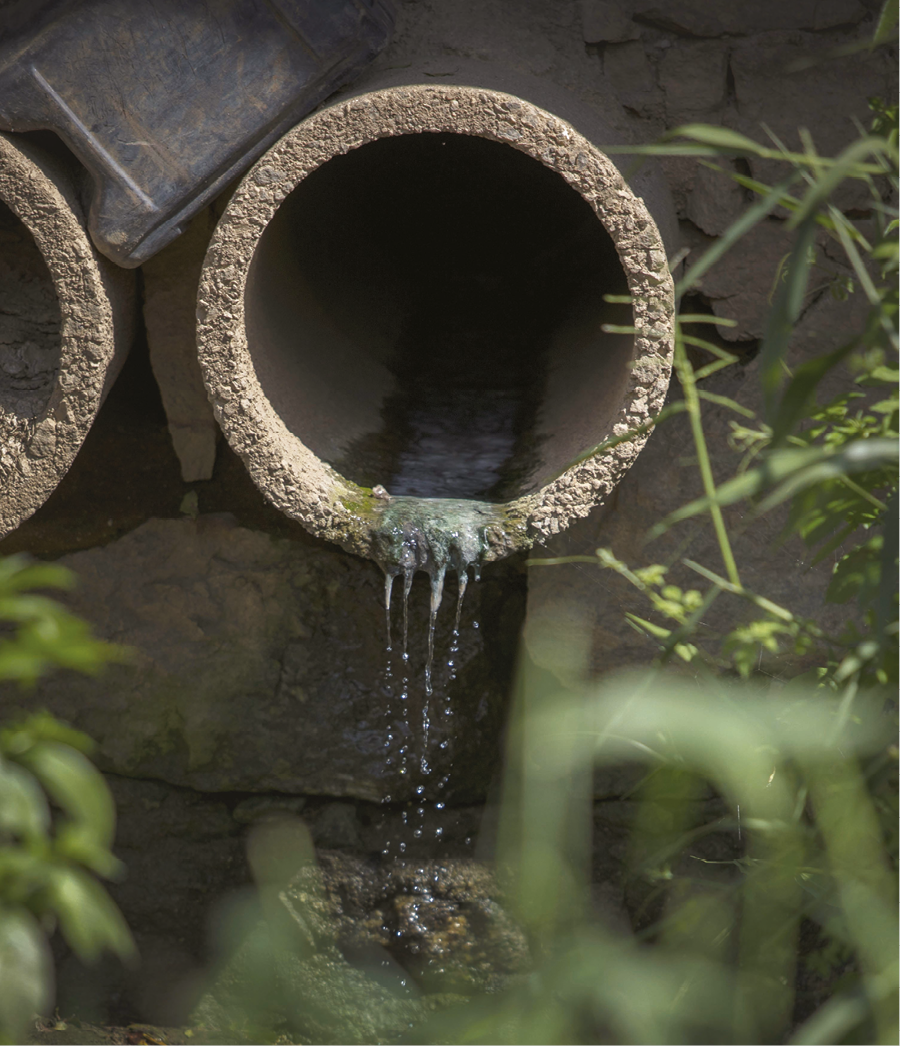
424 310
29 327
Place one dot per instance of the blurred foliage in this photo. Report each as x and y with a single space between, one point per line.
718 964
45 634
57 817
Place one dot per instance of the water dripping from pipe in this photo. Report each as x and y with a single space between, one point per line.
437 592
428 535
388 585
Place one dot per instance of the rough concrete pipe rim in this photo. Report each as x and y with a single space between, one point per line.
288 473
38 197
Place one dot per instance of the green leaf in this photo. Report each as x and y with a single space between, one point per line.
49 635
887 20
23 809
76 843
788 472
846 165
76 785
890 375
885 608
863 455
724 401
833 1021
654 630
88 919
719 137
26 972
704 317
857 574
41 726
784 314
20 572
798 397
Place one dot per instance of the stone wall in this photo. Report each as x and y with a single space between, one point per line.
258 667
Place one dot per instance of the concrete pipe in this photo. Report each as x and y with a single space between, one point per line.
406 296
66 319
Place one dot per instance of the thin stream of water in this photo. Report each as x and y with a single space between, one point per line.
430 535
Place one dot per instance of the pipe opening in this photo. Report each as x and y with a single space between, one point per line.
425 311
30 344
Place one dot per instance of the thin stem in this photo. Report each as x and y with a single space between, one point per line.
692 400
863 493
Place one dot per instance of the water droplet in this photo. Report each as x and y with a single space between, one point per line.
437 592
388 585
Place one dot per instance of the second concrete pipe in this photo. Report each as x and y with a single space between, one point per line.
66 324
419 238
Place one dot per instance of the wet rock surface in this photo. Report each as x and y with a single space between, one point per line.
443 921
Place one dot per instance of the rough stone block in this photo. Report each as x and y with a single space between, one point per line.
603 21
739 287
831 13
826 97
633 78
715 200
693 78
259 664
705 19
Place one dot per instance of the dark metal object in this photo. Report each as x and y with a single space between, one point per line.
166 101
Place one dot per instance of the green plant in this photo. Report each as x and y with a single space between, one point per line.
57 816
835 463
